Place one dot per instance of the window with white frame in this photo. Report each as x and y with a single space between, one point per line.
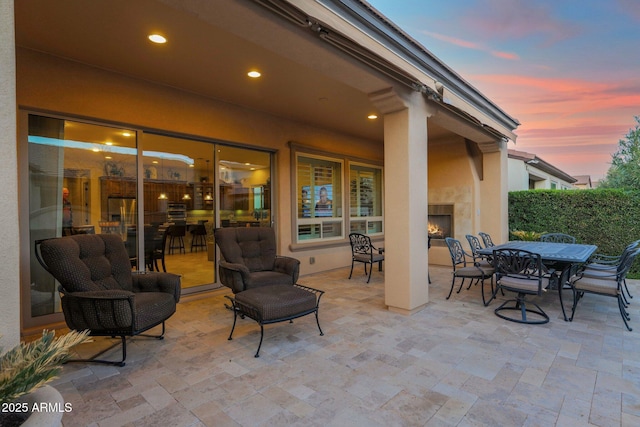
365 199
324 184
319 199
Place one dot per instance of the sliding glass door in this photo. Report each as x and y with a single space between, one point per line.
244 186
74 170
179 209
163 195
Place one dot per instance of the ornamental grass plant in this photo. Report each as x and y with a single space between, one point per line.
31 365
530 236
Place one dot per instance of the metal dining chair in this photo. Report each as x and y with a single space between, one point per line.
521 272
464 268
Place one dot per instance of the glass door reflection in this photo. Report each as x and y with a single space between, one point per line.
179 209
244 185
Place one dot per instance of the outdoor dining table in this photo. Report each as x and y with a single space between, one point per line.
562 255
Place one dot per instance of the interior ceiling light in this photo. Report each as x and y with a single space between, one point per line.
126 133
157 38
254 74
109 143
372 117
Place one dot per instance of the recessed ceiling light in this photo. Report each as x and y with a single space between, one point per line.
254 74
247 164
155 162
372 117
95 150
109 143
157 38
107 157
191 165
125 133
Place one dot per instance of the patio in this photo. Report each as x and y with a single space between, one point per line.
452 364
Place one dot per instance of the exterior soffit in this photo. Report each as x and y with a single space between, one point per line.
345 35
390 101
408 55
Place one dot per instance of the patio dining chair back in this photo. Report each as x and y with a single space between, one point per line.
521 272
606 284
557 238
601 265
464 268
486 239
362 250
475 245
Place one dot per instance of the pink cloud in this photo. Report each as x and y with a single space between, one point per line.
569 122
505 55
470 45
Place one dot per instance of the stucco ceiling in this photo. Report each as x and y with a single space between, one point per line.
211 46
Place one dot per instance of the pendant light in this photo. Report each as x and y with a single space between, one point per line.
208 196
186 195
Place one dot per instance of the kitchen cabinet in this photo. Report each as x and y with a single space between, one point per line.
126 188
234 197
203 195
117 187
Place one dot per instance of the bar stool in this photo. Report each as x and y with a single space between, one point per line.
199 236
176 233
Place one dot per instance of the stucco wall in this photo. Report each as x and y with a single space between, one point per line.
9 250
518 175
451 182
52 84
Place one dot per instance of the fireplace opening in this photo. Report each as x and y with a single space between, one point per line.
440 223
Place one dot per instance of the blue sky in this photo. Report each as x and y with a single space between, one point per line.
568 70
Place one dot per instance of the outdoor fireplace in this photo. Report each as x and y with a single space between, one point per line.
440 223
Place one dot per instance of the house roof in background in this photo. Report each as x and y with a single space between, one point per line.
583 180
540 164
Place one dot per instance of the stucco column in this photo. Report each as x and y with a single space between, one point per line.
405 184
9 249
494 209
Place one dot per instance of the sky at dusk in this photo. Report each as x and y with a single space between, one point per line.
567 70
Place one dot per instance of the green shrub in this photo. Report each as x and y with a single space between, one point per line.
606 218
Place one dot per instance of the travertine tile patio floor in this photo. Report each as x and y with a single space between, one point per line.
452 364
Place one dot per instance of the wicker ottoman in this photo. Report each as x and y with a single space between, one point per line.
275 303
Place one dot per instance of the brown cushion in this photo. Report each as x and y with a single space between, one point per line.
254 247
591 284
278 301
522 284
471 271
88 262
268 278
366 258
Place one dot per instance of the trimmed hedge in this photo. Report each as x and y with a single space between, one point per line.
607 218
